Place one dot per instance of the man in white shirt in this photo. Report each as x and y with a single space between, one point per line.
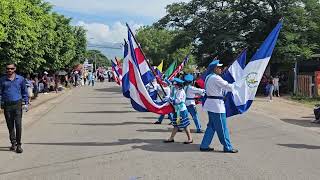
215 87
191 93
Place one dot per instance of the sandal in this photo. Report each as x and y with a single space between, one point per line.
188 142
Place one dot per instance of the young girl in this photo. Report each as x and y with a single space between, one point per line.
180 117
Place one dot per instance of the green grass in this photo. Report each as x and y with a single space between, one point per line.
306 100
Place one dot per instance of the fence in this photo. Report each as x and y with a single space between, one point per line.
305 86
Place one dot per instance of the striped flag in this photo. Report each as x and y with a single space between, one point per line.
139 96
125 71
117 70
179 68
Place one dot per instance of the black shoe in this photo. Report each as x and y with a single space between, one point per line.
19 149
232 151
188 142
13 147
179 130
157 122
206 149
169 141
200 131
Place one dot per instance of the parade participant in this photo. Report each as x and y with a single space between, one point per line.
166 97
191 93
214 104
13 92
180 117
153 89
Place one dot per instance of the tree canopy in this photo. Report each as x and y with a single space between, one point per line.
224 28
35 38
96 56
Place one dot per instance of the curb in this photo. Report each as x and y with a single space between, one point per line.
37 105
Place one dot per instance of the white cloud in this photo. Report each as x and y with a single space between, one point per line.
151 8
98 33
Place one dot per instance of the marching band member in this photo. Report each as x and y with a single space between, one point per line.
214 104
191 93
180 117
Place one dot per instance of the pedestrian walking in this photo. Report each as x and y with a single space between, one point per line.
45 81
270 88
215 87
91 78
276 85
13 93
29 85
180 117
191 93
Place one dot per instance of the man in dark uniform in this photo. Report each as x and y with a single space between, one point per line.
13 93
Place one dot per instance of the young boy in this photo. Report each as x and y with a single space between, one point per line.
191 93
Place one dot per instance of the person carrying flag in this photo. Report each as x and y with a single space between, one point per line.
191 93
180 117
166 98
215 87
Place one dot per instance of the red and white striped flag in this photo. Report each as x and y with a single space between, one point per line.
179 68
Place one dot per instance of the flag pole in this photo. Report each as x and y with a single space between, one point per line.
146 60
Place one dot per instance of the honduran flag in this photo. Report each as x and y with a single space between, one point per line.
140 98
179 68
247 85
117 70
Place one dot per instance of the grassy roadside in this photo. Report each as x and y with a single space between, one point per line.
311 102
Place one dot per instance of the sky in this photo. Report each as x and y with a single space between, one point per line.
105 20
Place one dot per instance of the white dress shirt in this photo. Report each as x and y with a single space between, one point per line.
216 86
191 92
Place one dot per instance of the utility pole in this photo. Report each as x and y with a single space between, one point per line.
296 72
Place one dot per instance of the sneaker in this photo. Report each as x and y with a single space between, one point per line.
157 122
13 147
231 151
19 149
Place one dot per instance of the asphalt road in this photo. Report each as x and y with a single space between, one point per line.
93 133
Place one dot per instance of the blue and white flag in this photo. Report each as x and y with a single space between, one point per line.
247 85
234 73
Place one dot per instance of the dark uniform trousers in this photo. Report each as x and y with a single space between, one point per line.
13 115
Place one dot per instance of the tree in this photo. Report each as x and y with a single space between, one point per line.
225 27
36 39
96 56
162 44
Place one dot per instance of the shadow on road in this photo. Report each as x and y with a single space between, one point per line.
101 112
106 124
104 97
114 89
162 130
4 148
153 118
301 122
300 146
106 103
155 145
